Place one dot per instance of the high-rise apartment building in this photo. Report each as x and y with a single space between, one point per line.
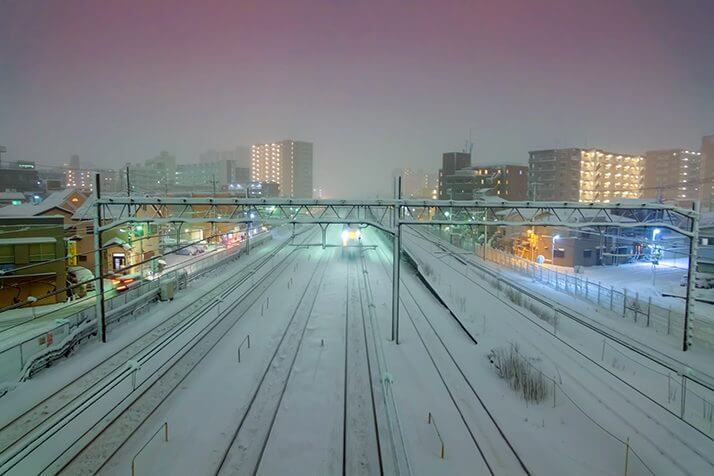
287 163
586 175
672 175
450 163
706 182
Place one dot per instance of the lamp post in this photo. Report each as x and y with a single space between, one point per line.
552 249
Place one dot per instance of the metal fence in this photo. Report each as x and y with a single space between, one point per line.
683 393
623 303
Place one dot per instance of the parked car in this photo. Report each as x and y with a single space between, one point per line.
123 282
699 283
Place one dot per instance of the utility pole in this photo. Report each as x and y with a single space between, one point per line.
128 184
213 223
98 264
691 278
396 252
213 182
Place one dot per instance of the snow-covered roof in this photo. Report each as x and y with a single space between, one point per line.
58 199
117 242
27 240
88 209
12 196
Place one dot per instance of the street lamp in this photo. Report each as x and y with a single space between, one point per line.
655 232
552 249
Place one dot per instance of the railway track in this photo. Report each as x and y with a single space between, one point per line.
361 438
22 436
627 342
393 452
496 450
573 369
245 450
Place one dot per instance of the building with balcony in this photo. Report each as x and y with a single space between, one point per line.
287 163
706 185
31 259
672 175
586 175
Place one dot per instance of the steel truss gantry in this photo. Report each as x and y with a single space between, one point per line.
389 215
116 211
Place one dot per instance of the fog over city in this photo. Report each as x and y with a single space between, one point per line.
373 85
357 237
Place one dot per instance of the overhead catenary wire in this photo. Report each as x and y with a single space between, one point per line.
108 274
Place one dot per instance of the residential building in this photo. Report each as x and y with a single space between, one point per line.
672 175
19 177
62 203
263 189
706 185
83 179
240 155
209 175
156 175
29 252
53 178
586 175
417 183
12 198
287 163
450 163
560 246
123 246
509 182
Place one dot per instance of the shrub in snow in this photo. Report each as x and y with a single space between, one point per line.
521 376
428 270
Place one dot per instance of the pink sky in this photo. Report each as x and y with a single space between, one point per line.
375 85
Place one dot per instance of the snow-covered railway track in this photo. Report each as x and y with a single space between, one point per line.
360 444
247 445
582 372
32 437
627 342
496 451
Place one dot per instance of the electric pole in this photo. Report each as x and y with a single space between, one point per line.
213 182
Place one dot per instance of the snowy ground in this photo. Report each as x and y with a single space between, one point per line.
612 411
662 282
320 390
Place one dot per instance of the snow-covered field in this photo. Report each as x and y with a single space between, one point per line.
319 389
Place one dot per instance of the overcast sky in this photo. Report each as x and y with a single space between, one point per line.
374 84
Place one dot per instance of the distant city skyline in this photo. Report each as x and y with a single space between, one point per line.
374 85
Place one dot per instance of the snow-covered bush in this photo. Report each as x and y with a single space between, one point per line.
428 270
521 376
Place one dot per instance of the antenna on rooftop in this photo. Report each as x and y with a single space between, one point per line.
469 147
